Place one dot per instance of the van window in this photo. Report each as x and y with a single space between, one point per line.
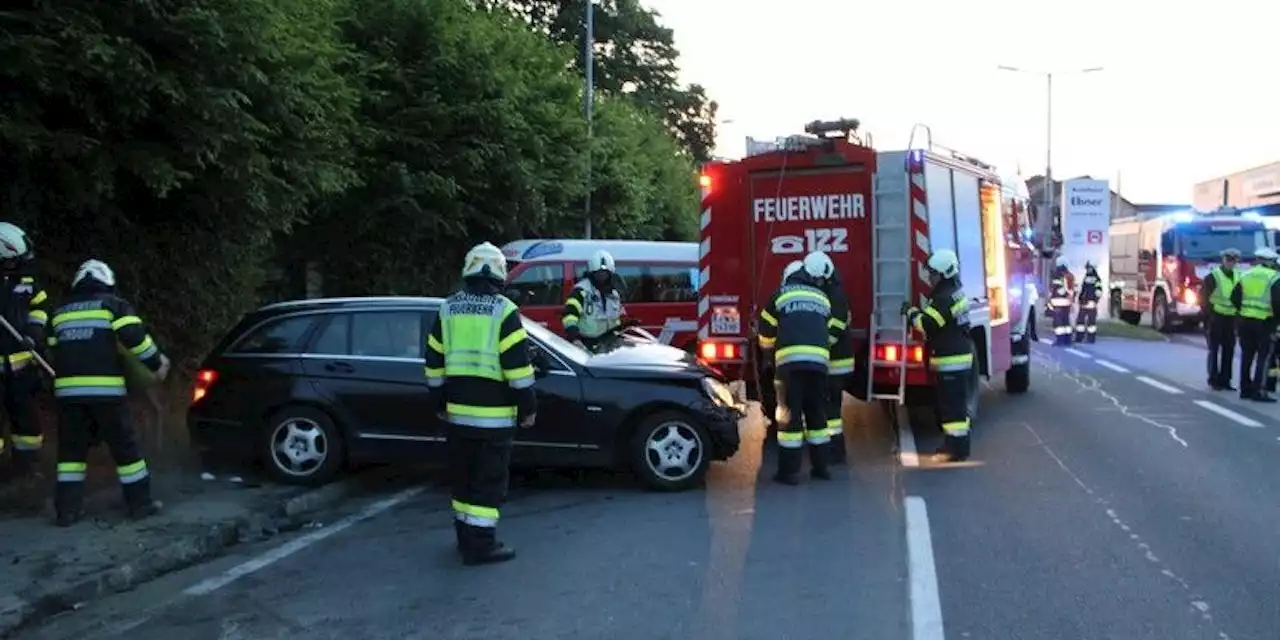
280 336
670 283
540 284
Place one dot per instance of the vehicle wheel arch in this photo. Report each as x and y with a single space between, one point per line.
641 416
344 436
632 421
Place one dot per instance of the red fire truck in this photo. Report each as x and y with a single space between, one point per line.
878 214
1159 261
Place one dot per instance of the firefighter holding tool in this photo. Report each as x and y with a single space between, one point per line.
1220 325
945 324
796 327
24 310
770 384
87 335
1089 295
480 373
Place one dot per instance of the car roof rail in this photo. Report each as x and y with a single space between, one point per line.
309 302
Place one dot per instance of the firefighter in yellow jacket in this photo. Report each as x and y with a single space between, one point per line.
87 333
24 306
479 372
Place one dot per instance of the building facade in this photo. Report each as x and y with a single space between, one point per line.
1251 188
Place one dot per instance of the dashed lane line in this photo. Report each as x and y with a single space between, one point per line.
1111 365
926 605
1229 414
1077 352
1167 388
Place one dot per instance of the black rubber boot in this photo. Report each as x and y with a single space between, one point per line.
493 555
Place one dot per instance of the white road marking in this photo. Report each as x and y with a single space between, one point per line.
907 454
926 605
1077 352
1111 365
1046 341
1159 385
298 544
1227 413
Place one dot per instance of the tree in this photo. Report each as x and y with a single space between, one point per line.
635 55
172 140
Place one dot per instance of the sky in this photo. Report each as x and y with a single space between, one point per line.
1188 91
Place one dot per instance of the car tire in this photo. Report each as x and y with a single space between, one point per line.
301 445
679 439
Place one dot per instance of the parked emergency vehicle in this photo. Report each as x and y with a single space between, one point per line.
1159 261
878 214
657 280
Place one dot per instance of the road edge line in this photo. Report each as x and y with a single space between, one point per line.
1228 413
922 573
1111 365
1156 384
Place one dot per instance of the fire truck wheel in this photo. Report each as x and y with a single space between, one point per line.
1115 309
669 451
1160 313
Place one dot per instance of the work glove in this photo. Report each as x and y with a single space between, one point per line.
163 371
912 313
906 308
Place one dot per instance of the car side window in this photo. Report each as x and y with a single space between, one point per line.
387 334
540 357
540 284
335 338
279 336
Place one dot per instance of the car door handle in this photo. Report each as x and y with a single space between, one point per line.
340 367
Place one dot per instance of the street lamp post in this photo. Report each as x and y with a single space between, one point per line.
1044 222
589 53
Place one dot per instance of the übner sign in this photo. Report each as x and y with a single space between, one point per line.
1086 220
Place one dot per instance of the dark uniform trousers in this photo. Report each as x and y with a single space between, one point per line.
1255 354
479 469
835 417
81 424
1087 321
19 389
1220 336
804 397
953 410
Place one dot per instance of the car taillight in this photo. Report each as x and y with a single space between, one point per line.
1189 296
204 379
895 353
713 351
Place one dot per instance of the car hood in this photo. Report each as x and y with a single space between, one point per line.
629 359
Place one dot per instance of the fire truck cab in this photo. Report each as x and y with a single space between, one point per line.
878 215
1158 262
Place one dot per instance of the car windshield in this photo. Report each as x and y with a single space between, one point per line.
560 345
1209 243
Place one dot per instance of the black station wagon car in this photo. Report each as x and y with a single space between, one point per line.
308 386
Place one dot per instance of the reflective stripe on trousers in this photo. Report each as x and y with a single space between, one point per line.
90 387
475 515
796 439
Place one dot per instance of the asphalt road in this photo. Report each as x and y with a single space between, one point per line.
1097 506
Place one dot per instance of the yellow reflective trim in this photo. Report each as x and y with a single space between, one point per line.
956 426
435 373
20 357
842 361
767 342
435 345
51 341
790 436
480 412
512 340
39 298
39 316
805 349
93 314
28 440
89 381
125 321
475 510
518 372
837 323
917 322
130 469
570 320
143 346
801 293
72 467
959 307
936 315
573 303
768 317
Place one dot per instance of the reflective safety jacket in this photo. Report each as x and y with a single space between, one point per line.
25 307
478 356
589 312
1060 289
1090 290
945 324
1217 290
841 317
1257 296
798 327
89 337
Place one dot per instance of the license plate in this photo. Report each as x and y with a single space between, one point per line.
726 321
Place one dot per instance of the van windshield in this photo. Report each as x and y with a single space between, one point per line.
1207 243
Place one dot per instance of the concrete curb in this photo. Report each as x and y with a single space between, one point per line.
19 611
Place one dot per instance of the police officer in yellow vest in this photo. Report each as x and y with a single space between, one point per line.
945 325
594 308
1257 297
479 371
1220 319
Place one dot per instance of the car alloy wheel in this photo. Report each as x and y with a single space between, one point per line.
299 447
674 451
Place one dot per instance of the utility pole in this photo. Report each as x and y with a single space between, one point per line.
589 101
1044 222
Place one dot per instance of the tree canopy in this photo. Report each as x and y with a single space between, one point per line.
203 147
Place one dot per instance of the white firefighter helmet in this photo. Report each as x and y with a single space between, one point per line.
944 263
601 261
792 269
485 259
13 242
1062 262
1267 254
97 270
818 265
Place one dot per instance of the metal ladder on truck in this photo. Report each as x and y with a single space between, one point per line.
892 273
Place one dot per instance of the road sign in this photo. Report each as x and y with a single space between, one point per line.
1095 237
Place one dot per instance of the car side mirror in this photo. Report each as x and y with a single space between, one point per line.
539 361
